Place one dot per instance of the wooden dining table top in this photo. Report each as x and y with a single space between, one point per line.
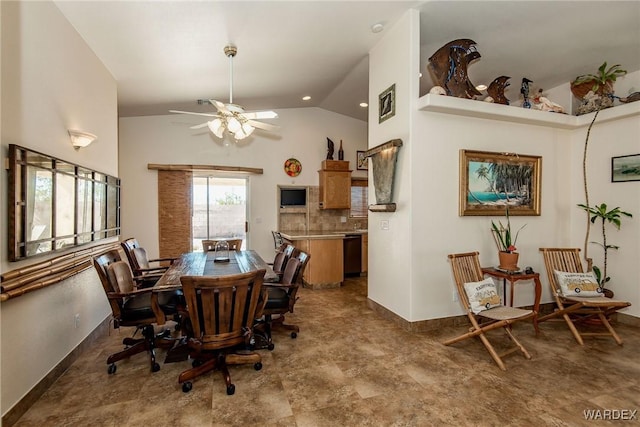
204 264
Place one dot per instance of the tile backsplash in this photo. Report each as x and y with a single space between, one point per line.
296 219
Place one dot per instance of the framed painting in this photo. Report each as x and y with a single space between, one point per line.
362 162
387 104
625 168
489 182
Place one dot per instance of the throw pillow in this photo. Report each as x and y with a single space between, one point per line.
482 295
578 284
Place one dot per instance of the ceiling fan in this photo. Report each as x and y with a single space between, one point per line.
232 117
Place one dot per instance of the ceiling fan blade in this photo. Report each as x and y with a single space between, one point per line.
219 105
263 126
260 115
200 126
193 113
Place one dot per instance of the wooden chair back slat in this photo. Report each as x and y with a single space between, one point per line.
561 259
222 309
466 268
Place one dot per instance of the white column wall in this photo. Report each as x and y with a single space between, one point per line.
167 139
51 82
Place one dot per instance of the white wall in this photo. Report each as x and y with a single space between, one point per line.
51 82
409 271
167 139
393 60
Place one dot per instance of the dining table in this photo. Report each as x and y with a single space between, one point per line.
206 264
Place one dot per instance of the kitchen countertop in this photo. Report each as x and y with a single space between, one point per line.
320 234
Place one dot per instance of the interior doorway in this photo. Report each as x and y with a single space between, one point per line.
219 208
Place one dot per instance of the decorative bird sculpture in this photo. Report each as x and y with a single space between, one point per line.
496 90
448 68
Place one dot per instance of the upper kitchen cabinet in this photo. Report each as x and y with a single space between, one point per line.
335 185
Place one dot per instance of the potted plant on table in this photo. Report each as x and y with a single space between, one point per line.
612 216
506 243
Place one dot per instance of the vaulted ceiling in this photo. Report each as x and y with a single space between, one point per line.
168 54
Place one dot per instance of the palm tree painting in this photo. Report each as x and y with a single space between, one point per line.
492 181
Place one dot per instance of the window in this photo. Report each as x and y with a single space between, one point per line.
359 198
54 204
219 208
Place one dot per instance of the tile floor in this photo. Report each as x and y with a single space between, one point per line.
349 367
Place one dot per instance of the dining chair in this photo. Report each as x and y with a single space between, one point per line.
283 253
221 310
141 308
482 305
145 273
277 239
577 295
210 245
281 299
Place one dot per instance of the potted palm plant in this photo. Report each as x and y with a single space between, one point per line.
506 243
613 216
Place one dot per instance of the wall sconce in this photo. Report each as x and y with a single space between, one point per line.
81 139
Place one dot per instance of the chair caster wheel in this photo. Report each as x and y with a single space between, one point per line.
196 363
231 389
294 335
155 367
257 366
186 387
112 369
271 346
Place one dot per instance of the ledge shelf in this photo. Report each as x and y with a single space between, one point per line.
507 113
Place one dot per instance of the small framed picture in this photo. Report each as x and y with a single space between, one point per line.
625 168
362 162
387 104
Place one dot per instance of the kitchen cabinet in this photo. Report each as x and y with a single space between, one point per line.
335 185
325 267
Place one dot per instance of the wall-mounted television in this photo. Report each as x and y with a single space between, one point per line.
293 196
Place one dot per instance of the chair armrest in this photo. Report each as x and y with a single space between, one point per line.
149 270
162 260
279 285
135 292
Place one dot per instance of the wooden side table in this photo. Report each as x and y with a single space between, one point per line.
512 278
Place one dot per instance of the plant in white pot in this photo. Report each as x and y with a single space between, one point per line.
613 216
506 243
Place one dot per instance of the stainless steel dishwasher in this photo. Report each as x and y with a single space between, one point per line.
352 254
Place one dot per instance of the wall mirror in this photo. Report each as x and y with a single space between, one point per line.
55 205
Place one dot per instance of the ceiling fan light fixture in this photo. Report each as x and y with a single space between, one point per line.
233 124
247 129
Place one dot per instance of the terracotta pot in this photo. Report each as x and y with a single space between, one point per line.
580 90
508 260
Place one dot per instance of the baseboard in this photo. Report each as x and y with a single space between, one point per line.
627 319
22 406
432 324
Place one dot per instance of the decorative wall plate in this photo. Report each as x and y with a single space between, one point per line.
292 167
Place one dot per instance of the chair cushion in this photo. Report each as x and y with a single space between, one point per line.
482 295
578 284
139 307
277 298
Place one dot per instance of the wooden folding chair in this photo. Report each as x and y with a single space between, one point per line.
466 269
577 309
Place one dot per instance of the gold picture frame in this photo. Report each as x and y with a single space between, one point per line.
387 104
491 181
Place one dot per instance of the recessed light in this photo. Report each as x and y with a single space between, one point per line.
306 98
481 87
364 104
376 28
